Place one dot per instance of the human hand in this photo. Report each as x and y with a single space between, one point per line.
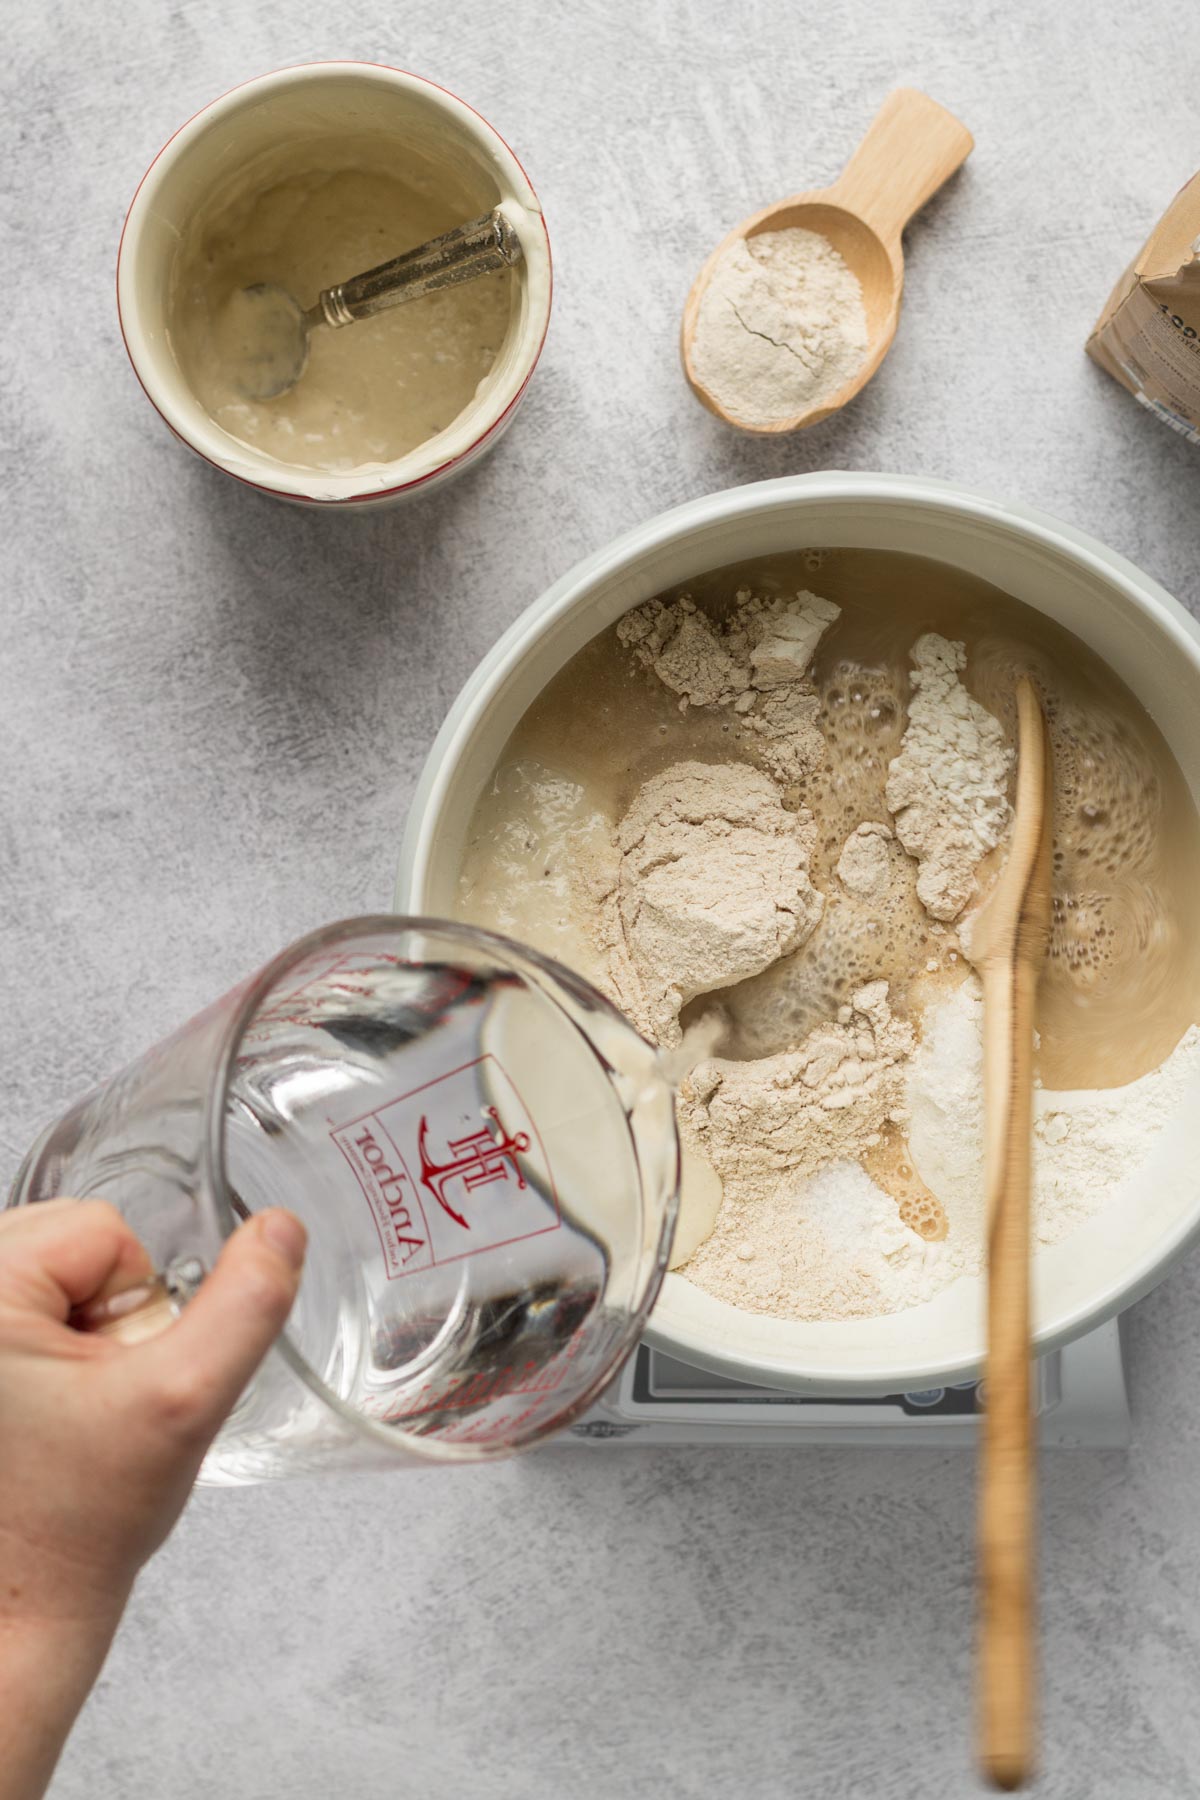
101 1441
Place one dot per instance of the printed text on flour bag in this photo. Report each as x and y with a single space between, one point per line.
451 1169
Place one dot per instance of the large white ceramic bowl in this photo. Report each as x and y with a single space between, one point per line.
1138 629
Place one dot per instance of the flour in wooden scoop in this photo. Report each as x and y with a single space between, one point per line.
781 328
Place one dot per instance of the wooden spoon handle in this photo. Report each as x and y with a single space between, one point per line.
913 146
1006 1522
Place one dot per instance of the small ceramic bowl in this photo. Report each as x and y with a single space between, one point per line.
311 112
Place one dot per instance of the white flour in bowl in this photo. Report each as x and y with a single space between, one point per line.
804 1232
1085 1142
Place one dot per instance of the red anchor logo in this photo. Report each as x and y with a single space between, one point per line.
480 1159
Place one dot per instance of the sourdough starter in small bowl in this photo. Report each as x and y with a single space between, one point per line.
371 392
759 813
304 178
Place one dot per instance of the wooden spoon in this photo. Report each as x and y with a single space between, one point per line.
1009 936
913 147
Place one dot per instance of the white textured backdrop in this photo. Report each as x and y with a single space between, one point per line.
212 715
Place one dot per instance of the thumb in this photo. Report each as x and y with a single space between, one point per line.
203 1362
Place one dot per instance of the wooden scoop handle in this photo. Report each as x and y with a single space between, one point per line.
1006 1523
913 146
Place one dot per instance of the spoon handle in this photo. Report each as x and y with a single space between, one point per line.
911 148
1006 1523
1008 941
459 255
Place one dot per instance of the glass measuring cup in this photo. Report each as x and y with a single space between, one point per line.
483 1151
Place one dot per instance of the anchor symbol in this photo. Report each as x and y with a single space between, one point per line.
480 1159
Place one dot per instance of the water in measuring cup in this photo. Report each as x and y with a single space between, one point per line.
459 1146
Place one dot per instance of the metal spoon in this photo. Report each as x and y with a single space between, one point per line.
912 147
263 333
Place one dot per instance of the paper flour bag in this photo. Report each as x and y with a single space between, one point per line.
1148 336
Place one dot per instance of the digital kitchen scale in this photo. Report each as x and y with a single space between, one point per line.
1081 1403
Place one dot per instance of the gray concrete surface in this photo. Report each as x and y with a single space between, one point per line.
212 715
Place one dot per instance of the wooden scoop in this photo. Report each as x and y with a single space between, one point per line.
1009 937
913 147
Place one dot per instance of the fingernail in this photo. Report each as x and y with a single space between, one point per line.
286 1236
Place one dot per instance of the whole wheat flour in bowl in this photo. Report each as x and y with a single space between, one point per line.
759 814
